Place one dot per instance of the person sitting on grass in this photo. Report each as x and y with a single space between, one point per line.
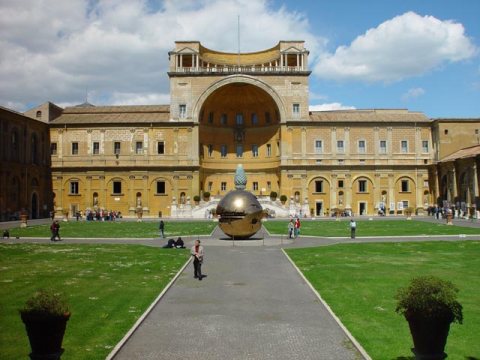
170 244
6 234
179 244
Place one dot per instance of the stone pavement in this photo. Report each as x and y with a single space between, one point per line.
252 305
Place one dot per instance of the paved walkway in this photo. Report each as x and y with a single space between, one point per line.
252 305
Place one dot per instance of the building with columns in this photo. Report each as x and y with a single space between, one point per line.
251 109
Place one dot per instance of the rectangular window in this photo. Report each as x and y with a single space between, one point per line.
362 186
210 117
182 111
254 119
161 148
117 187
224 119
361 146
318 146
269 185
223 151
239 119
425 146
267 117
116 147
210 186
239 150
340 184
223 186
319 186
341 162
383 147
96 148
74 148
404 186
255 150
139 147
269 150
210 150
74 187
404 146
53 148
405 204
161 187
340 147
255 186
296 109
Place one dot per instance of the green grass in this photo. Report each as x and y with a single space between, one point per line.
359 282
118 229
108 288
384 228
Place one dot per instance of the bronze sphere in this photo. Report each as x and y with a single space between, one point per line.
240 214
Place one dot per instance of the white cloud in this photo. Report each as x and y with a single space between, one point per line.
413 94
405 46
118 49
329 107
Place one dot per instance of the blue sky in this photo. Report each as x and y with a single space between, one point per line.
421 55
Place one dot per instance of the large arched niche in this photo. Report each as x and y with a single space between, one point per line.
239 80
239 112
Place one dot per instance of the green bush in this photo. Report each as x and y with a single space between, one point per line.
206 195
429 297
196 198
273 195
283 198
45 303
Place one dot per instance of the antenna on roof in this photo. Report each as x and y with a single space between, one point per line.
238 34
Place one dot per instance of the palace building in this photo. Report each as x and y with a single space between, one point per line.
252 109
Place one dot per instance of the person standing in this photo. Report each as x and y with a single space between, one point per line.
353 227
161 227
297 227
197 253
291 227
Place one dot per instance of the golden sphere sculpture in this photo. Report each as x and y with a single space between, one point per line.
240 213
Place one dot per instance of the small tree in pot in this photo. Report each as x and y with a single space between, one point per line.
45 316
430 305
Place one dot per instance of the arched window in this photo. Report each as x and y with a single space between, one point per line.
38 115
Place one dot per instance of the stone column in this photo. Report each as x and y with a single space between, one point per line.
376 191
304 145
146 196
419 191
104 192
348 191
389 141
333 133
132 203
391 193
347 142
376 141
333 192
88 192
60 144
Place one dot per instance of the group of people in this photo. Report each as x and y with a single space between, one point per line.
99 215
174 244
294 228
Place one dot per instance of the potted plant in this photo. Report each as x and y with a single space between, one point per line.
430 305
196 198
45 316
283 199
206 195
273 195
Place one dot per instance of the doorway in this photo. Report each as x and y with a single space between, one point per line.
34 206
362 208
319 208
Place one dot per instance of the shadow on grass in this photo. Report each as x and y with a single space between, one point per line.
404 358
471 358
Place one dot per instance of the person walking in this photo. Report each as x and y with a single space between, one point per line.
55 229
161 227
353 227
197 253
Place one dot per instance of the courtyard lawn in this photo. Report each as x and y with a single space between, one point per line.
384 228
108 288
359 282
118 229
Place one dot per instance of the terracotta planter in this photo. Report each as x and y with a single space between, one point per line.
429 336
45 335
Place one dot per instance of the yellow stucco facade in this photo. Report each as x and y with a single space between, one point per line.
249 109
